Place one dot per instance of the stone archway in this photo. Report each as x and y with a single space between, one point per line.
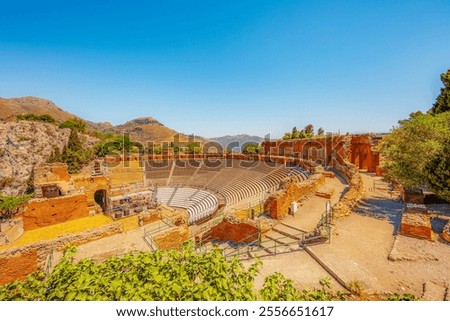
100 198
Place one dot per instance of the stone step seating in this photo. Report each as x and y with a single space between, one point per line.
158 174
179 180
212 165
263 167
158 165
252 183
236 181
185 167
202 178
199 204
158 182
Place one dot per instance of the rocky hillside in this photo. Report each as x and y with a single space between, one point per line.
146 129
22 146
13 107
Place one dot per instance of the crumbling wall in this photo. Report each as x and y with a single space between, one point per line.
172 238
45 212
45 173
355 193
52 176
277 205
416 224
89 185
149 217
11 230
446 232
413 196
18 265
236 231
17 262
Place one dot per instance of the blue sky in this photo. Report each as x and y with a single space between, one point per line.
228 67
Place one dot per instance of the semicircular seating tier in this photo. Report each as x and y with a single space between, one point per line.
198 203
236 181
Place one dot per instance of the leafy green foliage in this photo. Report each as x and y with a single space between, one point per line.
402 297
306 132
113 144
10 205
442 103
278 288
55 156
76 124
251 148
161 275
74 154
410 148
355 287
437 172
40 118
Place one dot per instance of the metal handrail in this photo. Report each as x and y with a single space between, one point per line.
49 262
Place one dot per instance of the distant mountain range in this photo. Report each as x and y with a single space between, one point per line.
237 140
145 129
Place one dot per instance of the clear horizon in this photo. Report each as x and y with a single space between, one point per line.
240 67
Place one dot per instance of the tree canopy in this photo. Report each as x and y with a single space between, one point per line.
442 103
417 151
76 124
306 132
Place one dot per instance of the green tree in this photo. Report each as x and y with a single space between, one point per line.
442 103
10 205
309 131
74 154
287 136
437 172
193 147
320 132
76 124
251 148
410 148
295 133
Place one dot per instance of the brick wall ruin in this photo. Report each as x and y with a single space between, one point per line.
360 150
354 194
45 212
277 205
88 186
416 223
17 262
18 265
235 231
172 238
